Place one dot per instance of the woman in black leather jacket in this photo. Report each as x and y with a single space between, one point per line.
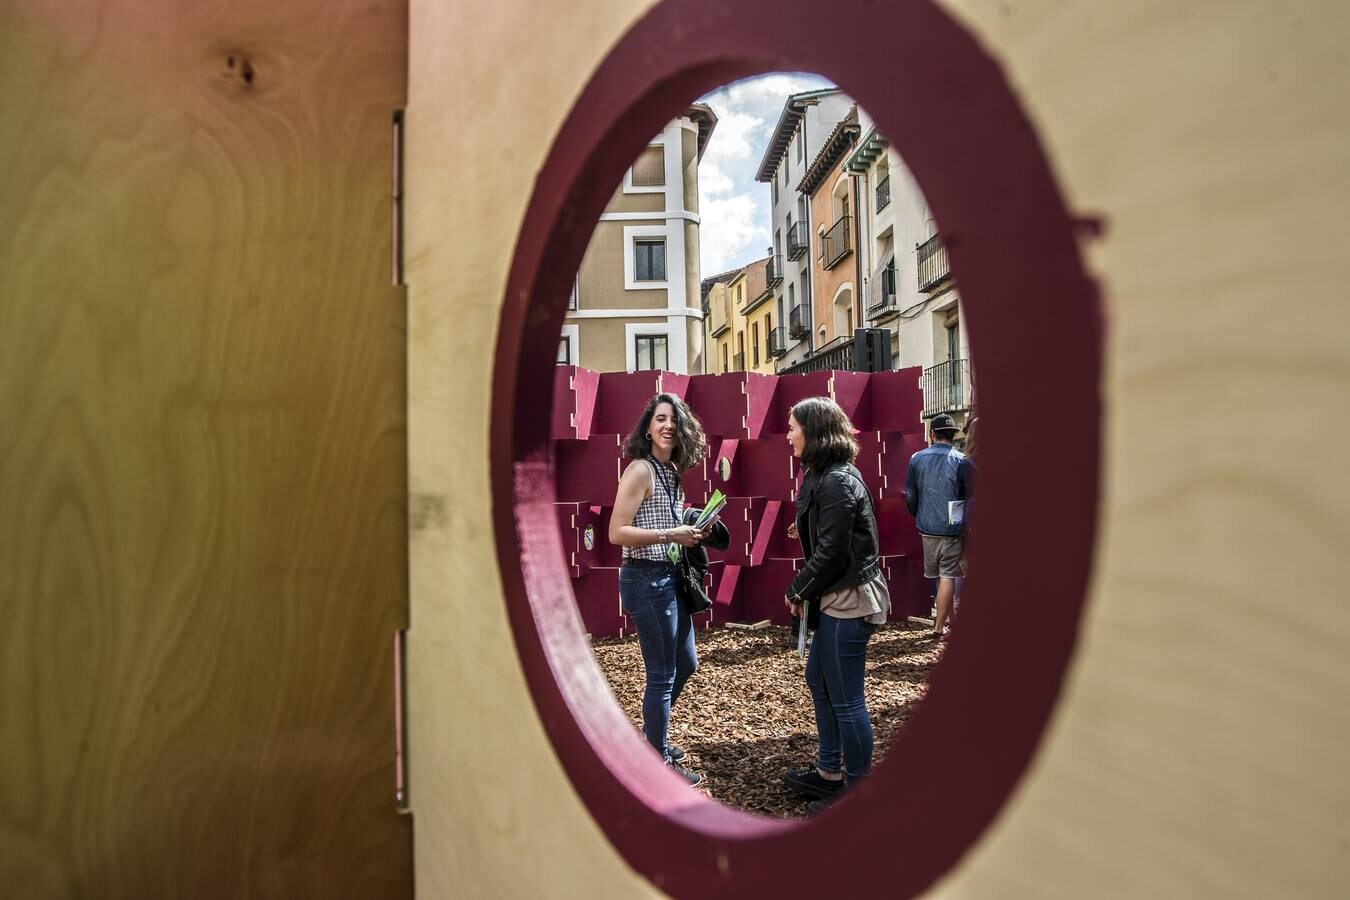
846 594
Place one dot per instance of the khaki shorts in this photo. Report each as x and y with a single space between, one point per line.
943 557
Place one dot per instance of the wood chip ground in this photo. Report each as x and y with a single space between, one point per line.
745 717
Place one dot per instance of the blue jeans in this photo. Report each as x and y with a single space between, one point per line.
834 673
666 638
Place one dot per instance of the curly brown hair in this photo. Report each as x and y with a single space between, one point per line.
690 444
828 433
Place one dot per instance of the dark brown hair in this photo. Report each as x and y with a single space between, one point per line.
690 444
828 432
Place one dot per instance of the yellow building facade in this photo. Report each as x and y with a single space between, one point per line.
739 321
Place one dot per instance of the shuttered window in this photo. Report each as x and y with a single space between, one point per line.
650 168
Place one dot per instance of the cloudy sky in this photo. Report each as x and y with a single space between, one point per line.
733 207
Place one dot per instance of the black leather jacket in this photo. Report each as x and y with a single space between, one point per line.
720 539
838 530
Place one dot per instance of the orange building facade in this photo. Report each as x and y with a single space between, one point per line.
832 193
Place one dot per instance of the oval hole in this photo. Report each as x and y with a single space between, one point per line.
944 103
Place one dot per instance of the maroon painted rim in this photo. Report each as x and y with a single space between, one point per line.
946 107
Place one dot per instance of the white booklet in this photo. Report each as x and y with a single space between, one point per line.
956 512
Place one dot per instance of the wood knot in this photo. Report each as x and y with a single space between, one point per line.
239 68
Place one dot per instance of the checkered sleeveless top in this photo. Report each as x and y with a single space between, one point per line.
662 509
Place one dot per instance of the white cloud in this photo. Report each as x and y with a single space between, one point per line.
734 208
711 180
734 231
738 136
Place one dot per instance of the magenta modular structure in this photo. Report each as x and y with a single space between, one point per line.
744 415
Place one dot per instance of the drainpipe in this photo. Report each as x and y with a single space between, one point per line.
858 262
809 308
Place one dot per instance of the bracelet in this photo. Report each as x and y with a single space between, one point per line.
661 536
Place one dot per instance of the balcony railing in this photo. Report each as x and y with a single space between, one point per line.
881 292
798 241
947 387
835 244
773 272
778 342
796 327
839 354
738 362
933 268
883 194
866 350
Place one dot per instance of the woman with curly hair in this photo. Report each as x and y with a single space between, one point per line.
841 580
647 521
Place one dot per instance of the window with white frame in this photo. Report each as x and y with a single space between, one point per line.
649 259
649 352
650 168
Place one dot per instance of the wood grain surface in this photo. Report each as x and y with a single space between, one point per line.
204 464
1198 750
202 450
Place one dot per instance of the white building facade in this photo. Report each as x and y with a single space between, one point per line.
908 286
806 120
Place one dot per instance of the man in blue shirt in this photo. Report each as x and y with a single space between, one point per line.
938 477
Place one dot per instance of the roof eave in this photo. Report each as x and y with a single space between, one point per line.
868 149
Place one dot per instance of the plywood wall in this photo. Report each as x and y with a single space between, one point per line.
1198 747
202 449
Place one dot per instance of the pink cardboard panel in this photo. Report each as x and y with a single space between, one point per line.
733 404
870 448
896 531
588 471
741 517
605 553
695 480
852 393
760 394
724 587
908 587
620 400
897 400
597 594
763 589
674 383
719 401
762 468
770 533
579 526
791 389
896 451
585 386
574 390
561 425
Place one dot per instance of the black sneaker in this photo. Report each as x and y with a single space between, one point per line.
693 778
824 803
810 783
676 752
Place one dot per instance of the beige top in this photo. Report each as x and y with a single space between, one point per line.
871 599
